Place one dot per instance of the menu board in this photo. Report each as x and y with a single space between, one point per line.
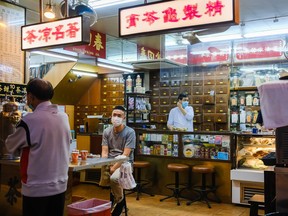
12 17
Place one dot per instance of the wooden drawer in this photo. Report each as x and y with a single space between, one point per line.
223 71
164 92
222 99
197 90
164 75
209 99
198 82
197 118
221 127
154 84
197 99
107 109
197 74
185 89
186 75
197 109
155 101
207 89
173 101
221 81
208 118
197 127
94 108
208 109
78 108
155 109
174 91
209 74
155 92
221 118
175 75
165 101
208 127
175 83
113 80
162 118
165 109
153 117
221 89
221 108
186 83
164 84
209 81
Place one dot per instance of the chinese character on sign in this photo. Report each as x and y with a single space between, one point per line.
72 30
170 15
98 42
31 37
131 20
150 18
46 34
191 11
214 7
6 88
59 34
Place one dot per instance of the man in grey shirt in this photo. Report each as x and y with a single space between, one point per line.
118 140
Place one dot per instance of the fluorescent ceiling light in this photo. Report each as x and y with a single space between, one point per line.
266 33
107 3
84 73
211 38
51 54
115 67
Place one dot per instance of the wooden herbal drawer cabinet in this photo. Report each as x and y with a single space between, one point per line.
174 91
165 92
208 74
186 89
155 83
197 118
196 74
222 81
175 83
155 101
197 90
208 118
153 117
197 99
186 83
165 101
209 99
164 84
164 75
197 127
222 99
155 109
173 101
209 81
208 127
208 109
221 127
198 82
175 74
207 89
221 89
221 108
155 92
197 109
162 118
221 118
165 109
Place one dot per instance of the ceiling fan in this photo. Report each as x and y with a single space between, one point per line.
193 38
79 7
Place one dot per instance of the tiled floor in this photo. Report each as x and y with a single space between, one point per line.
146 206
151 206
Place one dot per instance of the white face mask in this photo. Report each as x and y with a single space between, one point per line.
116 121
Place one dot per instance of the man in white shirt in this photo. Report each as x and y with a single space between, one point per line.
181 117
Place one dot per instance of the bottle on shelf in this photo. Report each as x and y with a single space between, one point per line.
129 84
138 81
255 101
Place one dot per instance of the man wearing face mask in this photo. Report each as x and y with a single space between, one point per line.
181 117
118 140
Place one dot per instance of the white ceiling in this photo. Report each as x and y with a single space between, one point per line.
255 15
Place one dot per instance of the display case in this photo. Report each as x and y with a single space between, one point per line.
193 145
138 109
248 175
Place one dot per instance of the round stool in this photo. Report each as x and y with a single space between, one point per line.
176 187
138 166
205 189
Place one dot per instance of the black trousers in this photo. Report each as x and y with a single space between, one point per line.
44 206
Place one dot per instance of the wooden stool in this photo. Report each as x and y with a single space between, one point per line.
176 187
255 201
204 189
138 166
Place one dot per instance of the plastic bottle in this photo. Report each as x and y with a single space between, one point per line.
138 81
129 84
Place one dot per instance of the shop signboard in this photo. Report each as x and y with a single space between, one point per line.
255 50
209 53
96 47
12 89
177 55
59 33
145 53
172 16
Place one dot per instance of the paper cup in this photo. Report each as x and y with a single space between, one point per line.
74 156
84 154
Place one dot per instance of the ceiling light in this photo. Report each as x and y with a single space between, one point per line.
211 38
51 54
114 65
266 33
100 4
84 73
49 12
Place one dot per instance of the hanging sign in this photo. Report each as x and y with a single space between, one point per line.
179 14
96 47
12 89
70 31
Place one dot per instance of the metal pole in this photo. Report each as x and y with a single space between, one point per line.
41 10
67 9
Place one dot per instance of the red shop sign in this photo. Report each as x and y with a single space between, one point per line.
259 50
179 55
199 54
96 47
145 53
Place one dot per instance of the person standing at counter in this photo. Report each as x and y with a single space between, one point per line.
181 117
118 140
43 139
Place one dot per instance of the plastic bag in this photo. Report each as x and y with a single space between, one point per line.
126 179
